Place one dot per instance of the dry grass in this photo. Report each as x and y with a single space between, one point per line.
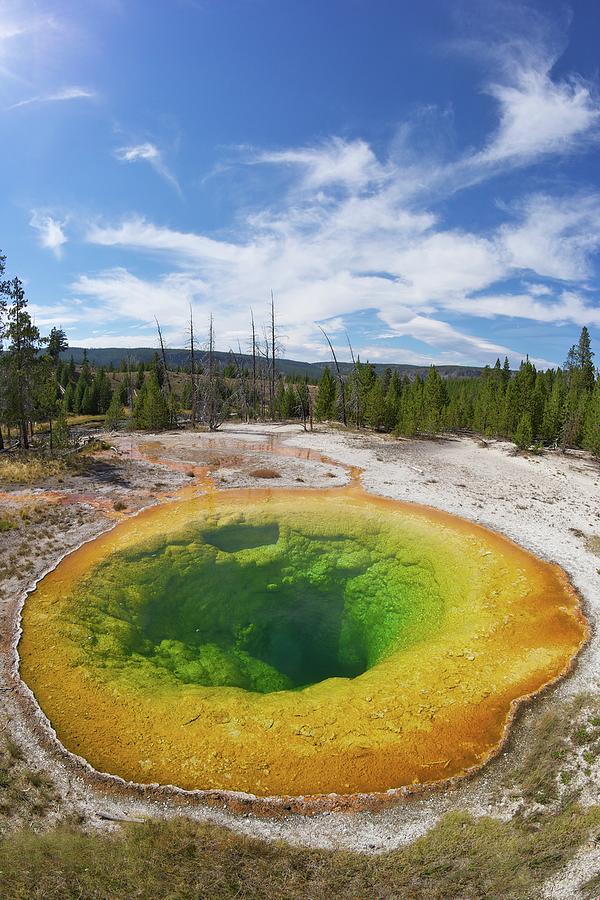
459 858
27 468
7 522
25 794
592 543
563 743
87 420
591 889
265 473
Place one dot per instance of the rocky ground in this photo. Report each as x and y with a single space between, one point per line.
549 504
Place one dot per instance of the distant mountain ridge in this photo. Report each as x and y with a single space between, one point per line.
105 356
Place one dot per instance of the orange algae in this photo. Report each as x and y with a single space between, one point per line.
428 711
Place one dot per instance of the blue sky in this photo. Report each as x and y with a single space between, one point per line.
423 176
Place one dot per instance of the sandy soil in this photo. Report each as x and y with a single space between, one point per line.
549 504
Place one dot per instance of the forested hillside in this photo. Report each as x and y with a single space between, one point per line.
116 357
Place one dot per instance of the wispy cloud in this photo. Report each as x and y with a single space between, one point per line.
335 162
555 237
354 233
50 232
149 153
65 94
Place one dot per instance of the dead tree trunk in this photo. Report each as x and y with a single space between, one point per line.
166 371
272 356
254 397
193 370
356 382
339 375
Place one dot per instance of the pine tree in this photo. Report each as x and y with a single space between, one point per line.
434 400
288 402
326 402
57 344
524 432
553 416
156 411
86 372
103 391
20 360
374 407
138 416
392 405
68 398
114 413
585 362
411 406
62 434
591 428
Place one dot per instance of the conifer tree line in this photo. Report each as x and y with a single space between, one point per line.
556 407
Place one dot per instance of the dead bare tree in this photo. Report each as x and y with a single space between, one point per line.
339 375
264 356
273 353
303 403
193 387
254 395
167 379
216 402
244 388
355 384
129 381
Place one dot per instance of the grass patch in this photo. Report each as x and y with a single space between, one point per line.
459 857
88 420
592 543
591 889
7 522
36 466
559 740
94 445
27 468
537 776
265 473
25 794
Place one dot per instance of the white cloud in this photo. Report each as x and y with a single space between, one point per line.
69 93
138 233
335 162
9 30
354 233
556 236
124 295
50 232
540 116
568 307
149 153
107 339
361 252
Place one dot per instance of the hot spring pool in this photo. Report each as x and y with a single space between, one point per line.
293 643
